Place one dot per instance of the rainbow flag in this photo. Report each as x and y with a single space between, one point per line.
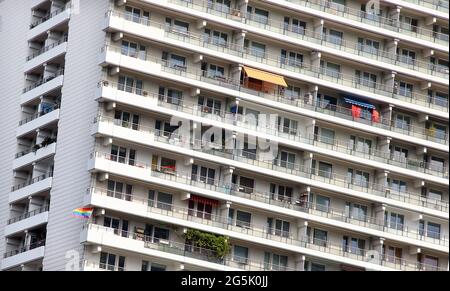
83 212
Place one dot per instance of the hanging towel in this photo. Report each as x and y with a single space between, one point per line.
356 111
375 116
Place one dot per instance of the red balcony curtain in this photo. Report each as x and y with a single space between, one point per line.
356 111
375 116
206 201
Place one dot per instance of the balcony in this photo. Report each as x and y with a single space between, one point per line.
31 156
36 185
294 172
200 79
265 236
23 255
434 7
321 9
236 122
122 202
49 21
26 221
42 87
184 145
46 54
363 20
174 251
232 52
353 51
37 121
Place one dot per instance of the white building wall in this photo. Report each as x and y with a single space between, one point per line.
75 143
14 26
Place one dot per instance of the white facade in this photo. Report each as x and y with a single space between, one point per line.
358 102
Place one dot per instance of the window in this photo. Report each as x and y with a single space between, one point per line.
368 45
278 227
109 262
177 25
360 144
164 201
127 119
330 69
366 79
287 125
358 178
134 50
291 58
356 211
408 57
440 99
317 267
286 160
399 153
258 15
215 37
438 131
334 36
215 71
203 174
405 89
281 193
130 85
249 151
402 121
122 155
255 49
397 185
326 136
171 96
137 15
322 203
275 262
294 25
174 61
370 13
393 254
200 209
210 105
408 23
292 92
394 220
153 267
327 102
320 237
243 184
220 5
160 234
243 219
115 189
240 254
435 194
433 230
325 170
429 263
437 164
354 245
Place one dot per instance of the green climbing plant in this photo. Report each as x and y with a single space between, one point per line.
217 243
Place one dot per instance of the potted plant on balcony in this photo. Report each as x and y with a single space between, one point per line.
218 244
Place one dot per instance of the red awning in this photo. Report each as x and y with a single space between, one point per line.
206 201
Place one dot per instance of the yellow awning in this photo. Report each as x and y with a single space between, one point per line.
265 76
